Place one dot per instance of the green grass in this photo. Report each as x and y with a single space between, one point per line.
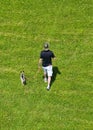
68 26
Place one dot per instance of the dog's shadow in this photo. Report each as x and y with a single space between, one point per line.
55 73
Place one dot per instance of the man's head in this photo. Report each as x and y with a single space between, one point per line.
46 45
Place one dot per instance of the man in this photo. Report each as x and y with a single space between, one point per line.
46 60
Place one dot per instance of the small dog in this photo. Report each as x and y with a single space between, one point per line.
23 78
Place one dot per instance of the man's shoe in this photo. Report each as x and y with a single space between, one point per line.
48 87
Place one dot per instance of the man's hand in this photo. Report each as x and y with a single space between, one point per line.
40 63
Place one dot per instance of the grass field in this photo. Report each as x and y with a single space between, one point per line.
68 26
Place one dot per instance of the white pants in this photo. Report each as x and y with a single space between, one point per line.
48 70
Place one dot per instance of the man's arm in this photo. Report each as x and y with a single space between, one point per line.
53 56
39 63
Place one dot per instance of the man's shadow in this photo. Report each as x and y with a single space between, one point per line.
55 73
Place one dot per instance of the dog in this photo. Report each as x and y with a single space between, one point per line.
22 78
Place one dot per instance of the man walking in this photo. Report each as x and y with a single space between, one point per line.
46 60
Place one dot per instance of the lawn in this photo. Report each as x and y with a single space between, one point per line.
68 27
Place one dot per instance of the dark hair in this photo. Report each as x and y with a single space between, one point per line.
46 45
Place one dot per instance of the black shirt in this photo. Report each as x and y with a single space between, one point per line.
46 56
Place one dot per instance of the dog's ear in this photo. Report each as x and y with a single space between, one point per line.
21 72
